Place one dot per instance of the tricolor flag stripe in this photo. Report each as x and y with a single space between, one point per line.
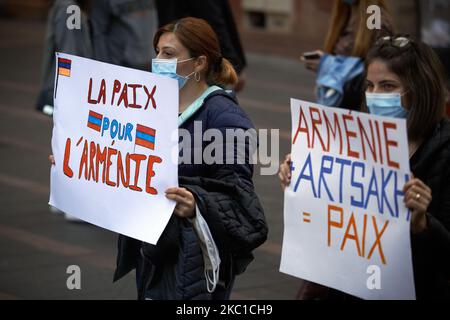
93 126
64 65
95 114
95 121
64 72
64 60
145 143
144 136
147 130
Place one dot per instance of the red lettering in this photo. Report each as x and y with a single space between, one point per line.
66 169
316 122
102 92
90 100
84 161
151 173
337 224
349 134
365 139
304 129
116 89
123 96
111 152
121 176
150 96
389 142
334 130
91 174
134 104
137 158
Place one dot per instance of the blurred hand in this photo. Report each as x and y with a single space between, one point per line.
284 174
312 64
242 79
51 158
185 200
417 199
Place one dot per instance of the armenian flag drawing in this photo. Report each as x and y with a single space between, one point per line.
145 137
94 120
64 66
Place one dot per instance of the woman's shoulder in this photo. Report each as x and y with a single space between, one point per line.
223 110
436 149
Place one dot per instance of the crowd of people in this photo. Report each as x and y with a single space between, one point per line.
384 74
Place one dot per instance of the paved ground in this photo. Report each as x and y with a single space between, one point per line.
36 245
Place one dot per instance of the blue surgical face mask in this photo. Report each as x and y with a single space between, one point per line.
386 104
168 67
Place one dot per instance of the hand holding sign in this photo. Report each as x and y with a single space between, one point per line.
344 209
112 146
185 207
284 174
417 199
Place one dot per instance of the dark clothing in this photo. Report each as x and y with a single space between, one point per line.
122 32
174 268
59 38
218 14
431 249
354 89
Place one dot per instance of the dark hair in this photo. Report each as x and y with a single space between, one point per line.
201 40
421 73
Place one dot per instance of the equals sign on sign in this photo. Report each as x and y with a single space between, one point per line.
306 217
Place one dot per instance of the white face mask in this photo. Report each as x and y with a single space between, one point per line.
210 252
168 67
386 104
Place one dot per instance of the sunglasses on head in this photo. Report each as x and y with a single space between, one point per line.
399 42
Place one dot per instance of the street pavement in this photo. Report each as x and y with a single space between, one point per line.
37 245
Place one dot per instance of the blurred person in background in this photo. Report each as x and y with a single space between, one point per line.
346 45
218 219
348 36
405 79
112 31
59 38
435 31
122 31
219 15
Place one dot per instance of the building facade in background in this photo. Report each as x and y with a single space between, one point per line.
277 27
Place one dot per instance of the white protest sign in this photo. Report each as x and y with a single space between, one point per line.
346 225
113 143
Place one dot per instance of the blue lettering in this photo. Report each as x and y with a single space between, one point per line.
343 163
358 185
105 125
128 131
328 170
310 178
373 191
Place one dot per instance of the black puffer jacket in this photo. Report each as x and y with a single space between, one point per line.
174 267
431 249
233 213
225 196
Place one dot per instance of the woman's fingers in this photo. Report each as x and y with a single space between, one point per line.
416 206
284 173
51 158
175 197
415 188
418 193
185 200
